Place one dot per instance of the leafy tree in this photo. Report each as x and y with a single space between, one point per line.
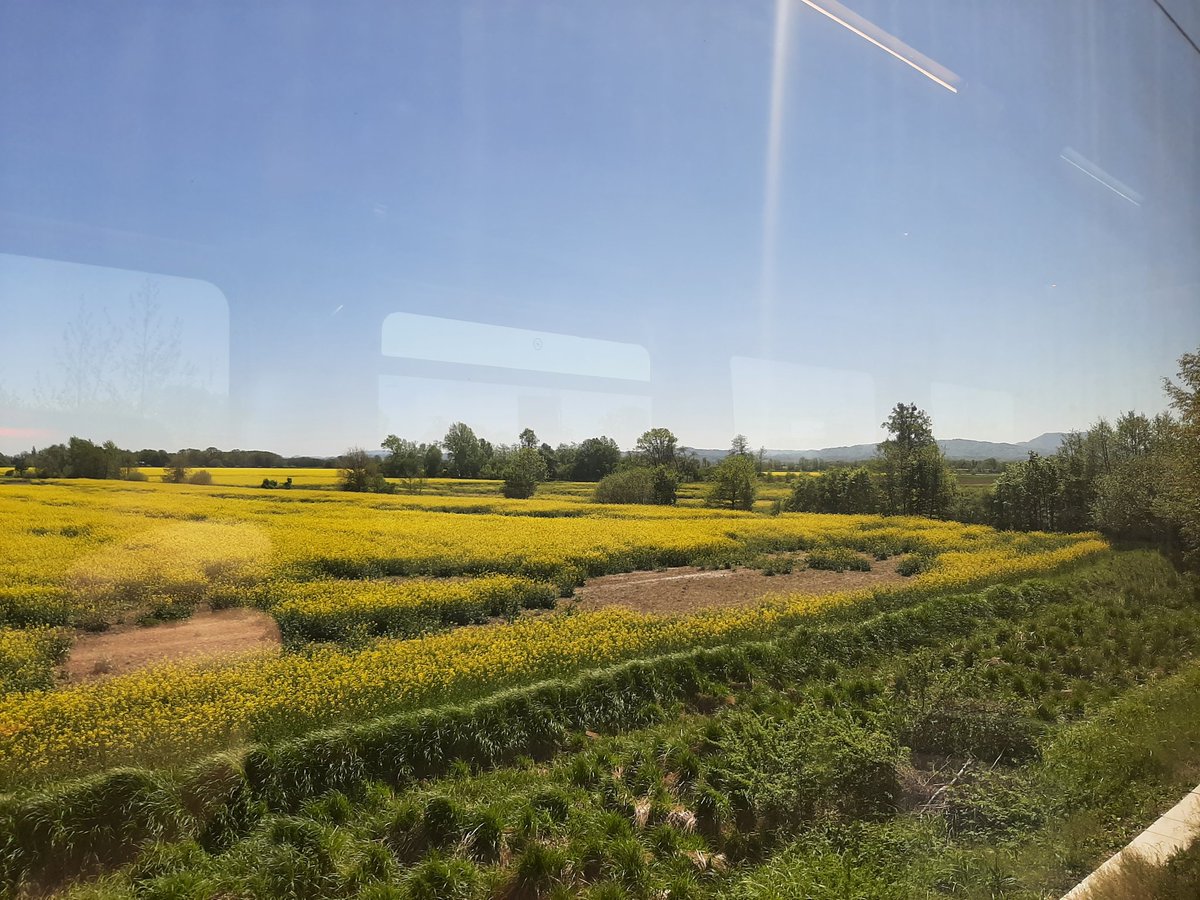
657 446
466 451
839 490
360 471
1127 504
595 458
528 439
740 446
431 461
523 472
86 460
915 477
176 471
1028 495
50 462
734 482
688 466
638 484
634 485
406 459
664 482
1180 499
153 457
550 458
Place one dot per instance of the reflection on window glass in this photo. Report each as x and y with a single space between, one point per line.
103 351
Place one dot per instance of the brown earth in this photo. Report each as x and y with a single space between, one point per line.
686 589
675 591
206 633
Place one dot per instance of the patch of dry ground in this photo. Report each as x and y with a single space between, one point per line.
686 589
671 592
207 633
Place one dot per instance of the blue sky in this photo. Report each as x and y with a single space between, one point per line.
601 172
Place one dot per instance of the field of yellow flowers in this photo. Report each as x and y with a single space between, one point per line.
81 553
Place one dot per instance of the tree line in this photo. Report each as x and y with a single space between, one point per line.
82 458
1135 480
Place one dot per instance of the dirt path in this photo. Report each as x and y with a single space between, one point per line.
206 633
686 589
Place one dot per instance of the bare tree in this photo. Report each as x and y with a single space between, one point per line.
85 359
149 348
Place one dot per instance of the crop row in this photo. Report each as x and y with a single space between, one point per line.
745 785
164 712
351 612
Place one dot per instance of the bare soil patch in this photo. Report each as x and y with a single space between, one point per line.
206 633
686 589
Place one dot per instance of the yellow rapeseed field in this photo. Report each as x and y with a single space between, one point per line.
93 548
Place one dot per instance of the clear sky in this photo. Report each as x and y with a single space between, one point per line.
718 217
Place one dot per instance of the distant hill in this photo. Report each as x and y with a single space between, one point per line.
955 448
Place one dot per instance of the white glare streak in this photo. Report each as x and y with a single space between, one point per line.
1093 171
859 30
779 57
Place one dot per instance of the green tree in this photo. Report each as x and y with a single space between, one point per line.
1127 503
915 477
431 461
627 486
1180 498
740 446
839 490
550 458
360 471
734 482
1028 495
405 458
664 482
176 471
466 451
528 439
523 472
657 447
595 458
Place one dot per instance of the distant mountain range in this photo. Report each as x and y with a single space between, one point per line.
955 448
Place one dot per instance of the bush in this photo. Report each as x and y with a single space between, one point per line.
525 470
630 486
734 483
640 484
201 477
915 564
838 559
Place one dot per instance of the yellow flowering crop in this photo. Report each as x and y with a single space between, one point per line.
173 712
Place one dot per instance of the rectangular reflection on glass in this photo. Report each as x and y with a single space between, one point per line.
422 409
789 406
960 411
432 338
102 352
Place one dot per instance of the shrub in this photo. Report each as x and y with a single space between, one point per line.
200 477
734 483
524 471
630 486
915 564
837 559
